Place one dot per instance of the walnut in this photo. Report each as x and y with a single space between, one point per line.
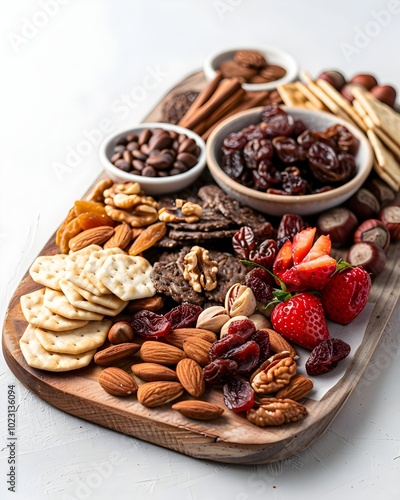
276 411
199 270
183 211
275 375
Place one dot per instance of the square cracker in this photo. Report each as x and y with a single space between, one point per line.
93 266
128 277
48 270
109 300
38 357
37 314
58 303
76 341
77 300
75 266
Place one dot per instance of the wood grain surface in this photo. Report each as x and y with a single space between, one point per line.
230 439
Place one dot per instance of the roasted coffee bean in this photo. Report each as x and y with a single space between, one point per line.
187 158
139 155
127 156
149 171
160 161
119 148
121 141
132 137
160 141
144 148
123 165
132 146
138 165
179 166
188 146
144 136
115 157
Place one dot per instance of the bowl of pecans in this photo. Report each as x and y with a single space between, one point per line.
256 69
281 160
163 158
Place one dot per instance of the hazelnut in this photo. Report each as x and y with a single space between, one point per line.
334 77
366 80
346 91
385 93
121 332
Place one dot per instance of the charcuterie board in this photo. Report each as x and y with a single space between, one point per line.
229 439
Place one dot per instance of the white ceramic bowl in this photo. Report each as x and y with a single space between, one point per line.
153 185
272 55
278 205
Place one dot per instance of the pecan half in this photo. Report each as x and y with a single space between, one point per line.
276 412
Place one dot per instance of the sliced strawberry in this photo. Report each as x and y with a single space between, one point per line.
301 320
322 246
311 275
346 294
302 243
283 260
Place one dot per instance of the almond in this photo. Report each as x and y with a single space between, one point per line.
190 375
157 352
117 382
114 353
198 349
178 335
151 372
94 236
152 394
121 238
199 410
298 387
278 343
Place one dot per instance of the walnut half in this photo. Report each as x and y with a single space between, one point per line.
199 270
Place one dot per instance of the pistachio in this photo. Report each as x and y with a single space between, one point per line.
213 318
260 321
240 300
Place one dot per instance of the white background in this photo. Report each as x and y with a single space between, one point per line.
62 74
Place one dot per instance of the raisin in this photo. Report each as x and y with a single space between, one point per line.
264 231
232 163
246 356
149 324
243 242
261 337
261 284
238 395
265 253
325 357
184 316
280 124
235 140
290 225
287 149
293 184
219 370
323 161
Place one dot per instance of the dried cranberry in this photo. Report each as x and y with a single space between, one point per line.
261 337
261 284
243 242
265 253
183 316
238 395
326 356
219 370
149 324
242 327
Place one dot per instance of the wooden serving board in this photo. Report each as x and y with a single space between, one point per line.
229 439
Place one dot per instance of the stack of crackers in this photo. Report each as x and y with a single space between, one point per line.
378 121
69 318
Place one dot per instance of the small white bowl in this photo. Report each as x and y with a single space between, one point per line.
153 185
275 204
272 55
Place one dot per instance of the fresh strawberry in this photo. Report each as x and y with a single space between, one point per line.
346 294
300 319
304 264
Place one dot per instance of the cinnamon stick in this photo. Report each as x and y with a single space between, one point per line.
224 90
202 98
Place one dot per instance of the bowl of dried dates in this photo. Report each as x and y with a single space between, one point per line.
161 157
277 159
257 69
